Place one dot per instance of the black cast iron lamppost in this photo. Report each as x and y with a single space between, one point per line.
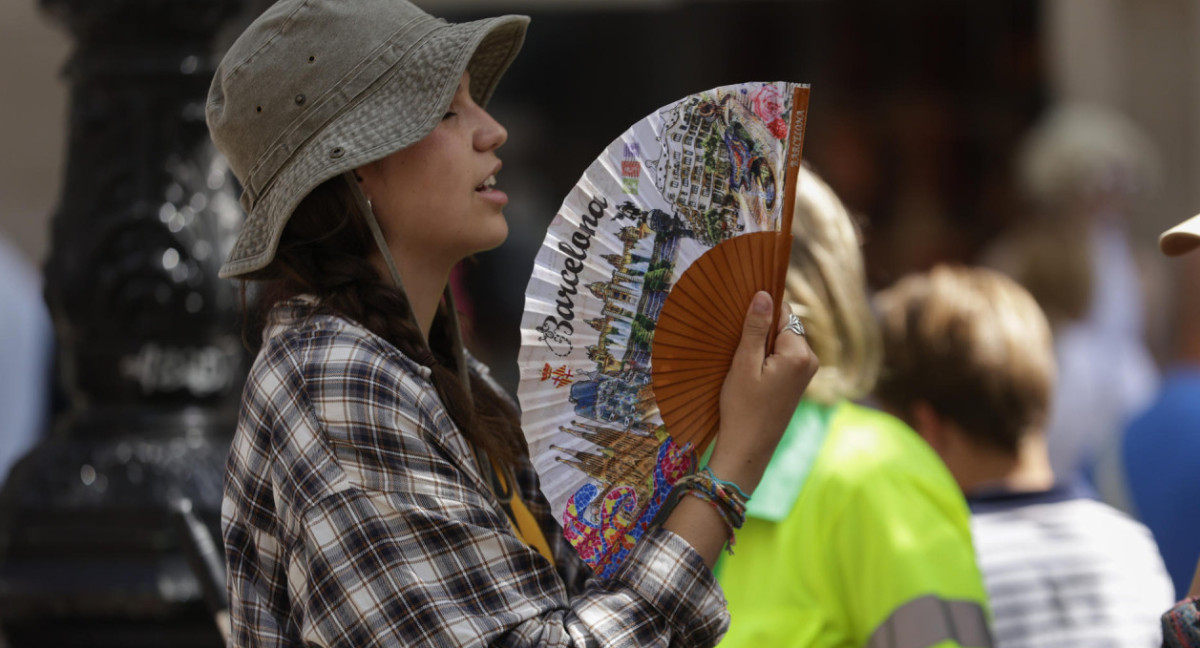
149 355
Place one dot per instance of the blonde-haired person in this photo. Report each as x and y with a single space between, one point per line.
379 490
857 535
969 364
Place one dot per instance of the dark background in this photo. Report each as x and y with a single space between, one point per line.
914 113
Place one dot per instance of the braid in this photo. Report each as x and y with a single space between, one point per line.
333 266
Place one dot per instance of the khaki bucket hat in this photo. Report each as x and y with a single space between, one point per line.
315 88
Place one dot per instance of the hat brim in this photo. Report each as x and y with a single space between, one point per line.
371 128
1182 238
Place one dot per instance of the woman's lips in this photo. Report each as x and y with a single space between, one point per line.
493 195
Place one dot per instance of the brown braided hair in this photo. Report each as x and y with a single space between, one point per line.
323 252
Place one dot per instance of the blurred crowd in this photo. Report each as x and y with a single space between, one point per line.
1029 378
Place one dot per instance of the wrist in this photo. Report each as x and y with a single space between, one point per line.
745 473
723 497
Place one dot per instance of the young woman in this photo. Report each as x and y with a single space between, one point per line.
378 488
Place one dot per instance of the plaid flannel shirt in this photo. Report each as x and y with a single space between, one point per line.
354 515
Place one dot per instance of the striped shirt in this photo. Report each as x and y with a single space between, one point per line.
1063 570
354 515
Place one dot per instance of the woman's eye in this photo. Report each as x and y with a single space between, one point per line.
449 114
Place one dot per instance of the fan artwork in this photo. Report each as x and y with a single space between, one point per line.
637 299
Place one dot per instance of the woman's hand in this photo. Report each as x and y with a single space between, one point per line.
760 395
757 402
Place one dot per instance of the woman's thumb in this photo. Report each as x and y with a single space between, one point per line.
752 349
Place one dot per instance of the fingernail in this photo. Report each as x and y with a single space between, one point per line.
761 303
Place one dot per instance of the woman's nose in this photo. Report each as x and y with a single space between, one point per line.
490 135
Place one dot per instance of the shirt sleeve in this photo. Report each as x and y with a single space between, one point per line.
407 547
374 570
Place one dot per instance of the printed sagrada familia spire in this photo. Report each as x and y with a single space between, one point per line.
622 455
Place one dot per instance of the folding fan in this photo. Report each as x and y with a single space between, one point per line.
637 300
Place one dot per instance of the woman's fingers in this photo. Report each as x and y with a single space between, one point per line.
792 350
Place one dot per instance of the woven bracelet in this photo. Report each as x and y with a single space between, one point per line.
726 497
727 484
731 525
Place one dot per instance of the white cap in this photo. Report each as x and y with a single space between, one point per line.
1182 238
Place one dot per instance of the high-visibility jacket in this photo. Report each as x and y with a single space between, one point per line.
857 536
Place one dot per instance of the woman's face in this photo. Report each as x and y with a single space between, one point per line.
436 200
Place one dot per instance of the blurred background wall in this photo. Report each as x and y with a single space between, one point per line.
917 108
1140 56
32 124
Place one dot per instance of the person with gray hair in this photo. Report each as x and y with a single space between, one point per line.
378 489
1082 170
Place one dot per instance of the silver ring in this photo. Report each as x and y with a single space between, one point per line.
794 324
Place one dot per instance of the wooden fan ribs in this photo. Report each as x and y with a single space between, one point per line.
718 282
733 265
697 373
692 308
693 351
689 358
676 338
702 322
783 247
689 391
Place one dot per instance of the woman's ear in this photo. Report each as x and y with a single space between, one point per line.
929 424
368 178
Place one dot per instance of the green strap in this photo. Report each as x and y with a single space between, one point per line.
792 462
456 342
364 206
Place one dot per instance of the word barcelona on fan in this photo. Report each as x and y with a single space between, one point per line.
676 185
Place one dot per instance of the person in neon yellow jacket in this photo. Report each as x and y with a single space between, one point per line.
857 534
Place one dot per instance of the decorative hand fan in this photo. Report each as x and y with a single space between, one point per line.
637 299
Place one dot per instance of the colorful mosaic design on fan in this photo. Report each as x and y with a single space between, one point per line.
603 526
